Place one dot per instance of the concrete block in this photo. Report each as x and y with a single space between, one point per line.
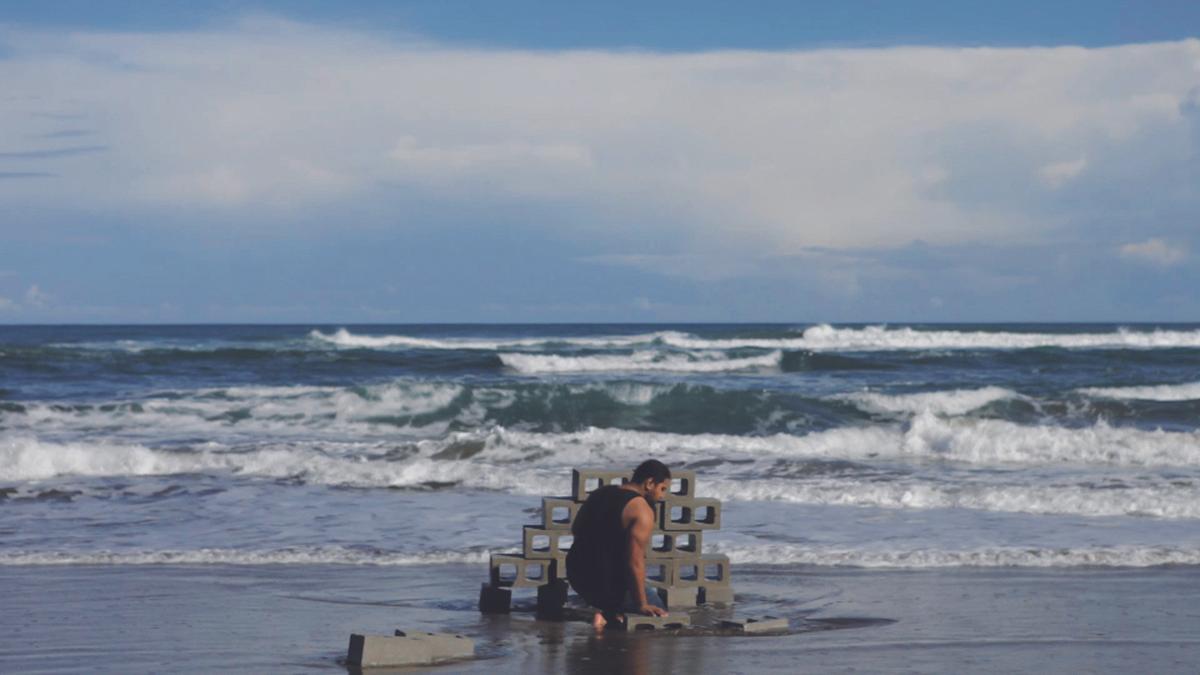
495 600
587 480
716 595
660 572
675 544
690 514
388 650
551 598
686 572
636 622
714 570
542 543
558 513
766 624
679 597
509 570
443 646
683 484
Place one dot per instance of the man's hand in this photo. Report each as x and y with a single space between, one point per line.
651 610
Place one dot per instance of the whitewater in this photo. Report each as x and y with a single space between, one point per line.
862 446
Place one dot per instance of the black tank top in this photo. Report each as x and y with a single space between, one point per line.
598 562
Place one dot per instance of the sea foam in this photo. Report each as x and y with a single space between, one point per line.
638 361
953 402
1189 391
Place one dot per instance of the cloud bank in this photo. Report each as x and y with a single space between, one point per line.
776 151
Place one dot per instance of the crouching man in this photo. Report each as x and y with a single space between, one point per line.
607 562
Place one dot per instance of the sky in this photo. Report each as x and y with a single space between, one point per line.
449 161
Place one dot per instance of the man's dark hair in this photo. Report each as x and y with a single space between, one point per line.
651 469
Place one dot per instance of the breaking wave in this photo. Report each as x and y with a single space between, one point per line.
1162 392
638 361
739 554
326 555
821 337
956 402
1115 556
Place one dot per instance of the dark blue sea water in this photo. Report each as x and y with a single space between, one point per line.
873 446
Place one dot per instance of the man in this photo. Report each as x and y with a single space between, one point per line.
611 534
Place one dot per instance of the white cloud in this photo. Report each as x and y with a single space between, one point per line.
1057 174
1155 252
753 153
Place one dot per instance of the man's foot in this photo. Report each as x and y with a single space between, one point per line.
599 622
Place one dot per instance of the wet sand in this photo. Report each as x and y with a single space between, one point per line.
294 618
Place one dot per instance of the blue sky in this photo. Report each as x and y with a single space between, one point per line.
535 161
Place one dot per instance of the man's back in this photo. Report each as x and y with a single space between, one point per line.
597 564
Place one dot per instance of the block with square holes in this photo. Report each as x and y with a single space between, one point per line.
636 622
585 481
677 544
686 572
690 514
765 624
512 570
683 484
714 569
543 543
558 513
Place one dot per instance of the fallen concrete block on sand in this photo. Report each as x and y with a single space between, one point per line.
407 649
444 646
766 624
635 622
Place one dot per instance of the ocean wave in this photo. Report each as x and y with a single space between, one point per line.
1164 501
822 337
323 555
953 402
874 338
1189 391
513 453
1112 556
638 362
739 554
344 338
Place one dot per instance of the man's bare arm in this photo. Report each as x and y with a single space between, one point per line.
639 540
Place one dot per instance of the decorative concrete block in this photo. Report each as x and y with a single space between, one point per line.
443 646
766 624
683 484
676 544
678 597
543 543
635 622
516 571
660 572
558 513
716 595
714 569
686 571
690 514
494 600
588 480
388 650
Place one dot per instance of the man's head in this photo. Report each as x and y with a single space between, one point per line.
653 478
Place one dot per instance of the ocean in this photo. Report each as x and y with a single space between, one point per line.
413 451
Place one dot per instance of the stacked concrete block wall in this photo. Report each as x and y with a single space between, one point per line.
676 566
